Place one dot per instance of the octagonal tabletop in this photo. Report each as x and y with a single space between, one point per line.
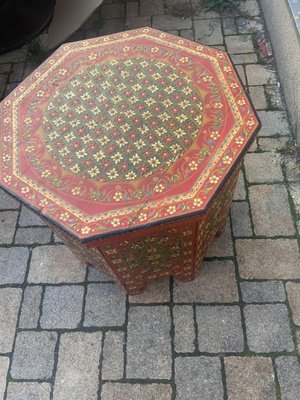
122 131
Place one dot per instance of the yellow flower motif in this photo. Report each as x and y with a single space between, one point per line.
197 202
164 117
111 112
193 165
157 146
64 151
126 48
85 96
43 203
75 123
159 188
87 138
85 230
171 209
167 103
215 135
7 178
75 169
227 160
25 190
130 175
69 95
118 196
142 217
250 122
28 121
40 93
241 102
143 129
80 109
218 105
45 173
125 127
154 50
93 171
7 138
239 140
115 222
6 157
176 148
89 84
81 153
234 85
62 71
214 179
65 216
179 133
184 104
156 76
92 56
154 162
117 157
184 59
135 159
169 89
70 136
227 69
161 131
112 174
75 191
121 142
182 118
187 90
207 78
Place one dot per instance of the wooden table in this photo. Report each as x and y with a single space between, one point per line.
129 147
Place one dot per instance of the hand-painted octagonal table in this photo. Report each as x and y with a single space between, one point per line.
129 147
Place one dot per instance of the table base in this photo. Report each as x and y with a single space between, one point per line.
170 249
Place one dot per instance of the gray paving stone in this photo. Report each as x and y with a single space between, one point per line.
184 329
268 259
111 26
273 123
208 31
249 7
55 264
149 343
288 372
221 246
274 96
136 391
132 9
250 378
77 375
293 292
28 391
297 334
268 328
153 7
200 10
33 235
169 22
258 97
16 72
7 202
248 58
215 283
105 305
263 167
249 25
240 218
241 73
258 74
110 11
10 299
273 144
113 356
240 191
229 26
4 365
219 329
263 292
137 22
239 44
13 56
95 275
30 310
155 292
187 34
8 222
62 307
33 356
271 212
195 375
29 218
13 265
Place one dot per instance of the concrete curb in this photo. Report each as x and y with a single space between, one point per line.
286 46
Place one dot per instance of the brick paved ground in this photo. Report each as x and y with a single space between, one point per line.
66 332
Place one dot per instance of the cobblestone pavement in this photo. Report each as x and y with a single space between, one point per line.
67 332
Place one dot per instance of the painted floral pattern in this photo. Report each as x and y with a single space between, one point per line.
98 146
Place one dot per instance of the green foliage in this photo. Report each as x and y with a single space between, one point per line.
220 5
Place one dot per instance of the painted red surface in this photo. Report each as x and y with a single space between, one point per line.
123 131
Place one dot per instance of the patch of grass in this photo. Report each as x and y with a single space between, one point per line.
221 5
